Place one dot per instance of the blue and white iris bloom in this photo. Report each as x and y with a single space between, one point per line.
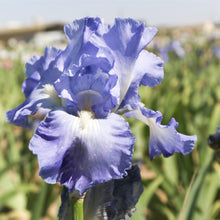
84 90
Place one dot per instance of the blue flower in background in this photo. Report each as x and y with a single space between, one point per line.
174 46
216 51
83 92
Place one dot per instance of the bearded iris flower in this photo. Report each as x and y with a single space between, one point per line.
83 92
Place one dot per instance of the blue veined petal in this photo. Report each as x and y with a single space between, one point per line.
29 84
88 92
126 39
38 87
102 60
43 98
115 199
36 69
148 71
80 152
164 139
150 67
33 76
80 51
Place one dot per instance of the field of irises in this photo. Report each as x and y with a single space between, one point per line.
179 187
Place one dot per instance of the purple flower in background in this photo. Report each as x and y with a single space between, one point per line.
164 53
83 92
216 51
174 46
177 47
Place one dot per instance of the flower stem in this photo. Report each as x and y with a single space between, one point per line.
77 209
71 205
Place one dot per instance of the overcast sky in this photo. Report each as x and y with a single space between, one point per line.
153 12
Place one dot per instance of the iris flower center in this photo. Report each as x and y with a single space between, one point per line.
85 118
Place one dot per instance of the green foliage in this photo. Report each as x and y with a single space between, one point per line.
23 195
179 187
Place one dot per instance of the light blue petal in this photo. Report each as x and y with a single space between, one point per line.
81 152
164 139
80 51
150 67
38 87
37 68
42 98
105 63
126 39
147 71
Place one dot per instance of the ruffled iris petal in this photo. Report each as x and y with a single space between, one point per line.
37 67
80 152
33 76
44 97
93 63
147 71
126 39
80 51
150 67
38 87
76 39
164 139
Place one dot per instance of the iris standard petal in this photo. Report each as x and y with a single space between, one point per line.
164 139
81 152
38 87
126 39
129 37
105 63
36 69
79 49
147 71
